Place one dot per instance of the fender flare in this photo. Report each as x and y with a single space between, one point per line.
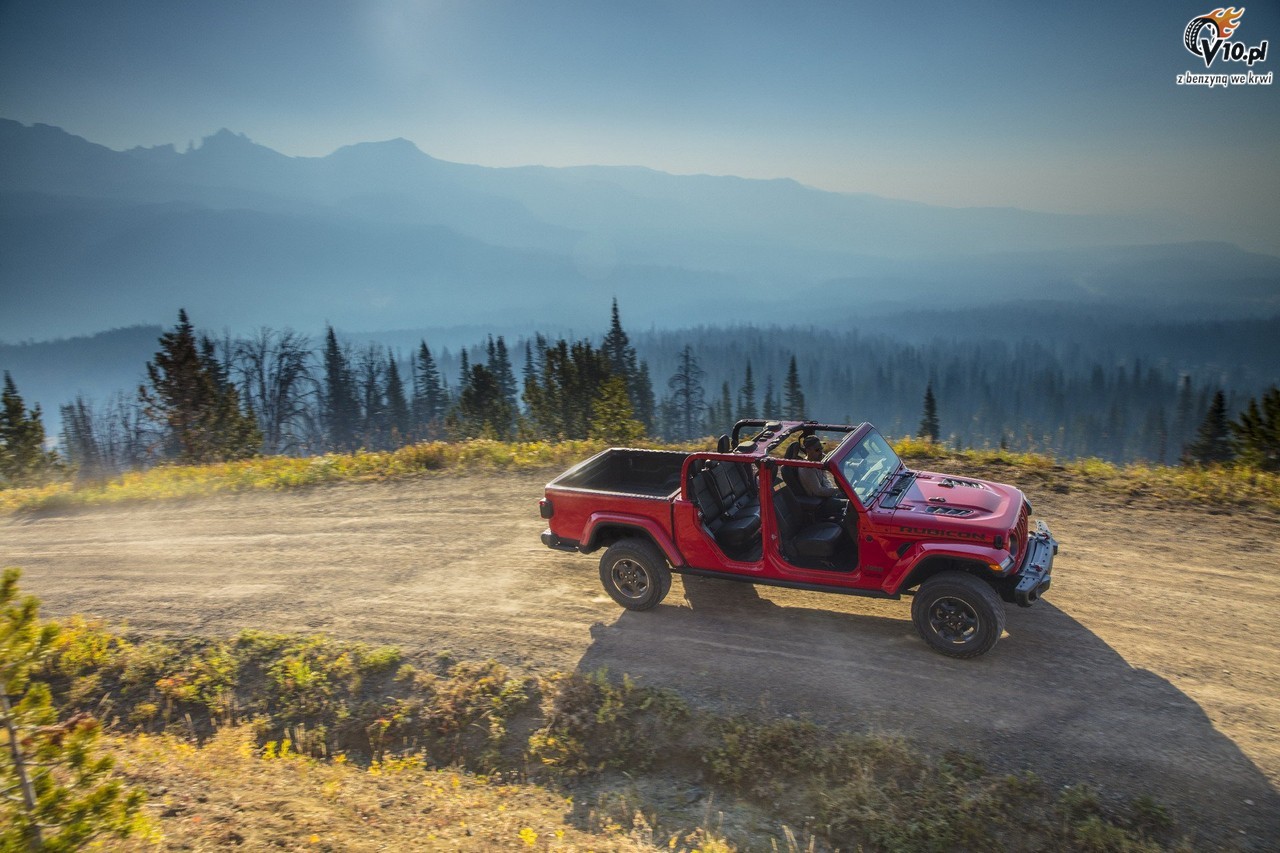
643 526
905 572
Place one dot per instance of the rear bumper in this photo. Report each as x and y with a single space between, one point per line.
553 541
1034 579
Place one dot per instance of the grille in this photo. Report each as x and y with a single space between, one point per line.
1021 533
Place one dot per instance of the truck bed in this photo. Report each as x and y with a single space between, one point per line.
628 471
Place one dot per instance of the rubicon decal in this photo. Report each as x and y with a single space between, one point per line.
947 534
1208 37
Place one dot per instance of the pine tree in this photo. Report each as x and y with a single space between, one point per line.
722 413
1257 432
464 371
770 404
429 402
540 345
1212 444
233 423
687 394
529 373
194 403
747 396
499 365
506 374
23 459
641 394
794 408
482 410
612 420
398 417
1157 435
1183 418
616 345
371 371
623 362
340 413
561 397
58 793
929 427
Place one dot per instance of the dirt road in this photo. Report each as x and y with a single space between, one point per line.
1153 665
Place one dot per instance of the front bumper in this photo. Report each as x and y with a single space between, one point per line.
1034 579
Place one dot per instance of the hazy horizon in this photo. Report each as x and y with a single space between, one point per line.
1070 109
957 156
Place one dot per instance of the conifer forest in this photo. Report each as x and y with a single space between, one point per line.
1077 388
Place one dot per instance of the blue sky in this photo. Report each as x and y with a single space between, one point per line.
1062 107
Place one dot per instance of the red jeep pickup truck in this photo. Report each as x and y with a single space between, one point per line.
963 546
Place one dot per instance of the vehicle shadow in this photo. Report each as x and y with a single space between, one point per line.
1052 697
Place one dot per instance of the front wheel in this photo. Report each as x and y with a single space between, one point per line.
635 574
958 614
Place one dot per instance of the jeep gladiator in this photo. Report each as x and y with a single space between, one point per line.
962 547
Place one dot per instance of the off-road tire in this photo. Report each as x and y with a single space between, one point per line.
958 614
635 574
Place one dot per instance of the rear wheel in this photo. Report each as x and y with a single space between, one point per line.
635 574
958 614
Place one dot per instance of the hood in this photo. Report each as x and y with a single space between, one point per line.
959 501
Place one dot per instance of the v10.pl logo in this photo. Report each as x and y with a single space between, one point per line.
1207 37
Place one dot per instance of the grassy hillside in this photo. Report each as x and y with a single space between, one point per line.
313 744
1218 486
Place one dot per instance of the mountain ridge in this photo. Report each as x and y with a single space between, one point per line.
125 235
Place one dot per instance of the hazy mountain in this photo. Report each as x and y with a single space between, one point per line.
381 235
1162 282
52 373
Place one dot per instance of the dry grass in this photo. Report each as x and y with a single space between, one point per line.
169 482
345 746
229 793
1218 485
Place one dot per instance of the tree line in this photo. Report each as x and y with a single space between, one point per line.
272 392
276 392
1050 395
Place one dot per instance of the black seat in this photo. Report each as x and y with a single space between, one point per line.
732 514
791 476
813 541
737 493
810 504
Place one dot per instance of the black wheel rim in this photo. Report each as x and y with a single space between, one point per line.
630 578
953 620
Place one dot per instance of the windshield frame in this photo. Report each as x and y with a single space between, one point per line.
850 448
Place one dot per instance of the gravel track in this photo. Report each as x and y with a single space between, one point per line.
1152 666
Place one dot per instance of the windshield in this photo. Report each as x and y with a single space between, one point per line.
868 465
